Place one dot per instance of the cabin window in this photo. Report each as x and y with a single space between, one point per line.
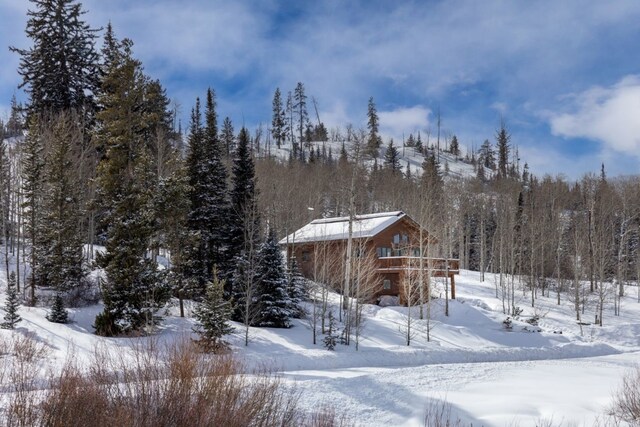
400 252
306 256
416 251
383 252
386 284
400 239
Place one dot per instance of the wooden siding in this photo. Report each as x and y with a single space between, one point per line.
324 261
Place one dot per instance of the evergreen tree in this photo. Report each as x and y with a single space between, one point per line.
344 156
208 193
419 143
502 142
243 218
58 313
272 297
411 142
5 186
61 239
133 290
296 290
111 50
213 315
486 155
374 141
60 70
15 124
33 194
278 119
431 176
173 196
454 146
300 109
12 304
228 136
392 158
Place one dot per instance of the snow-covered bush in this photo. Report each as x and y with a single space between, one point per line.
331 339
507 323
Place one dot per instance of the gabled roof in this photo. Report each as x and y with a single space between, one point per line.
326 229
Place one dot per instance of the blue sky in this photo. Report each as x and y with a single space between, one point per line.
564 75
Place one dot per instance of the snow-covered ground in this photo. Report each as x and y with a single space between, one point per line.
490 376
409 156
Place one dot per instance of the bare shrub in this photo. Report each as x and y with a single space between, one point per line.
175 386
326 416
438 414
626 401
21 368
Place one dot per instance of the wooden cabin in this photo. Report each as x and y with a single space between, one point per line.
386 260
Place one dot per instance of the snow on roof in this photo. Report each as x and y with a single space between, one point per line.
325 229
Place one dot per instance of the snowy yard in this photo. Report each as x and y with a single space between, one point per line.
489 376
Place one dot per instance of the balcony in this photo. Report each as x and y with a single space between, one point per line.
438 266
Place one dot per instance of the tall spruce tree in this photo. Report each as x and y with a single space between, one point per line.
502 143
33 195
300 109
278 119
454 146
133 290
61 238
60 70
486 155
392 158
273 300
208 194
373 122
243 218
228 137
12 304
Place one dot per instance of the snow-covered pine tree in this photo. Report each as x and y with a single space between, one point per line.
297 288
454 146
392 158
373 122
228 137
330 340
218 197
278 119
208 195
502 143
244 219
300 109
173 197
273 299
60 70
33 193
58 313
486 155
133 290
213 315
11 317
61 235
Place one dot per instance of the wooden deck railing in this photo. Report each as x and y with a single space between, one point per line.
404 263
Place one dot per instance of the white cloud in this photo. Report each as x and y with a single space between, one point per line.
608 115
411 119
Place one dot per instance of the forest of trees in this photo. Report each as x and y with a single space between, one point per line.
101 175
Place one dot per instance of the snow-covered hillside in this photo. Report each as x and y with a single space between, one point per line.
409 156
490 376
